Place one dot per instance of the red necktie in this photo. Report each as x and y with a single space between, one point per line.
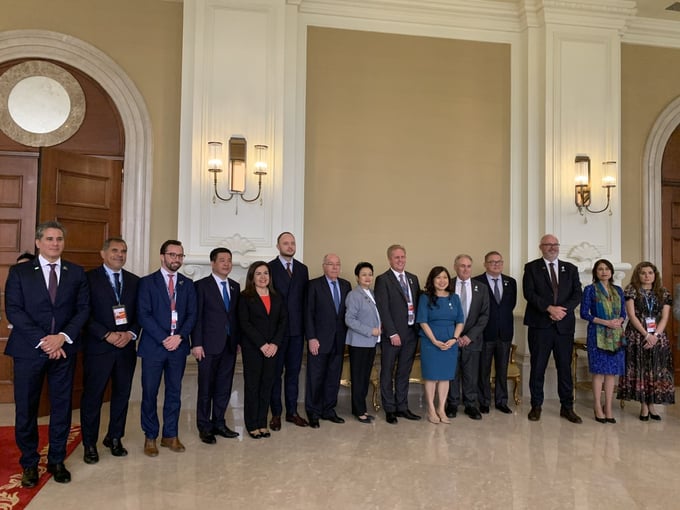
171 291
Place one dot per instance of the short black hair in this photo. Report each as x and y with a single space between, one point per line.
169 242
362 265
215 252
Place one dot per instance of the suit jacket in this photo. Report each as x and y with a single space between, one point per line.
478 315
257 326
501 324
393 306
30 310
293 291
213 319
102 299
321 320
539 295
361 317
153 312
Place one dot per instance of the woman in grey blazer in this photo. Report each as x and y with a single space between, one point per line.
363 333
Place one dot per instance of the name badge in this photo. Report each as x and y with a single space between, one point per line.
173 321
650 322
120 315
411 314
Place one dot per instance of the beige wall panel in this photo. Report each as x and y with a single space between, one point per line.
407 141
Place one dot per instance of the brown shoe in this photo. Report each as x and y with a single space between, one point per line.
173 444
275 424
150 449
297 420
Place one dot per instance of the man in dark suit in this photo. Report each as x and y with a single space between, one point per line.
553 290
166 308
214 343
109 349
498 333
396 296
47 302
474 298
290 278
326 331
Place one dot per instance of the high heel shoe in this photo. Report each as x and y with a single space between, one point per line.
600 420
433 418
255 434
443 418
654 416
610 420
644 418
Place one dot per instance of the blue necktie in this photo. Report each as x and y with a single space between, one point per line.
116 277
336 296
225 298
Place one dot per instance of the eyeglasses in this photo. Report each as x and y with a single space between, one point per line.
173 255
494 262
551 245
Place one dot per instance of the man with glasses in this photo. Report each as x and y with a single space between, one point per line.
498 333
553 290
166 310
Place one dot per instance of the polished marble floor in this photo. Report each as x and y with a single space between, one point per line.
500 462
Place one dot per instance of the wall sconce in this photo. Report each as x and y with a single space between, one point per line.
582 191
236 168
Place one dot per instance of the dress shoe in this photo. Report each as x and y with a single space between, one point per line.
91 456
535 413
224 432
333 418
116 446
265 433
255 434
314 423
207 437
150 449
30 477
443 418
364 419
644 418
451 411
275 423
484 409
59 472
611 420
173 444
296 419
408 415
655 417
391 418
600 420
473 413
433 418
503 408
570 415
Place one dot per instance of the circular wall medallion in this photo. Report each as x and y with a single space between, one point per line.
41 104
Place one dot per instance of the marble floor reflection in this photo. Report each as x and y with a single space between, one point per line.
500 462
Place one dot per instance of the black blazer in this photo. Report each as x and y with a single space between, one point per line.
293 291
478 315
501 325
321 320
539 295
256 326
102 300
392 304
212 320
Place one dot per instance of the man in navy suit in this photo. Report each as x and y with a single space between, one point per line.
326 332
214 342
166 308
290 278
497 334
109 349
47 302
553 291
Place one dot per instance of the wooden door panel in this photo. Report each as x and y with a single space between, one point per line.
671 257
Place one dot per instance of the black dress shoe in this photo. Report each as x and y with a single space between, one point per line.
313 422
296 419
503 408
391 418
644 418
473 413
207 437
484 409
91 456
364 419
570 415
451 411
655 417
611 420
408 415
535 413
225 432
116 446
30 477
59 472
333 418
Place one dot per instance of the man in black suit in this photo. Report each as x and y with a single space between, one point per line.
290 278
109 349
326 331
498 333
47 302
553 290
474 298
396 296
214 343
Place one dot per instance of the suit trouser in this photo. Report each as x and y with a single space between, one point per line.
360 366
289 358
499 353
467 374
323 383
29 374
215 378
542 342
171 368
394 395
119 367
258 377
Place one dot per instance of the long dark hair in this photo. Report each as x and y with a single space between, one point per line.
250 289
635 281
429 284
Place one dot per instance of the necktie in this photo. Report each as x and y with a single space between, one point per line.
116 277
464 299
171 291
496 291
225 295
336 296
553 281
52 287
404 287
288 269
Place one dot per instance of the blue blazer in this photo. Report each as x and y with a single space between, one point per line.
30 310
321 320
293 291
501 325
153 312
213 320
361 317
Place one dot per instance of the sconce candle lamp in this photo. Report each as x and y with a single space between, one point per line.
582 190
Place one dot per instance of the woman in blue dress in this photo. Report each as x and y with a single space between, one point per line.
441 321
603 307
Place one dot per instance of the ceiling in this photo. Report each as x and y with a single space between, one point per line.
650 9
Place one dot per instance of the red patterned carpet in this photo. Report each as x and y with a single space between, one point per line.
12 495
